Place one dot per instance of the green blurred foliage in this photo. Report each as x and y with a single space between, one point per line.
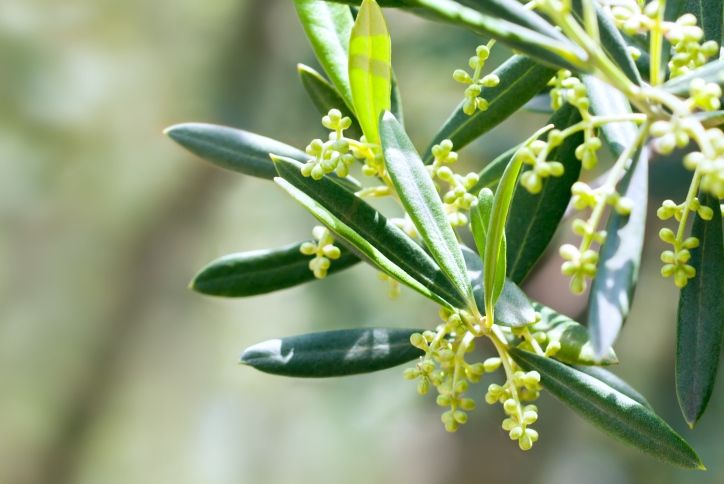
113 372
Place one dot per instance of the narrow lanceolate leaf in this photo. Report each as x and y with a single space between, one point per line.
711 72
479 222
422 202
517 13
261 271
233 149
554 51
701 317
512 308
533 219
615 382
619 259
328 27
612 411
325 97
495 238
612 42
520 79
576 347
370 71
333 353
382 242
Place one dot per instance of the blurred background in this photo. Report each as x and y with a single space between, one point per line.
111 371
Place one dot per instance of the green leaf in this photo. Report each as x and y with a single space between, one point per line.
512 308
233 149
612 41
333 353
533 219
554 51
619 260
325 97
369 232
479 222
370 71
520 79
711 72
576 347
701 317
422 202
328 27
239 150
517 13
615 382
611 410
495 238
261 271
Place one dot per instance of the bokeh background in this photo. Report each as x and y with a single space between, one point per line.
112 372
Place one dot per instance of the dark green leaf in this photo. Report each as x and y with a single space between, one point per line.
576 347
422 202
520 79
512 308
239 150
711 72
701 317
517 13
370 71
261 271
533 219
381 241
325 97
328 27
233 149
611 410
333 353
614 381
619 259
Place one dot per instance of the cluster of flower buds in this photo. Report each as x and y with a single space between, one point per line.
444 367
684 35
323 250
457 198
687 51
522 387
705 95
333 155
676 260
473 101
534 154
669 135
569 89
711 168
